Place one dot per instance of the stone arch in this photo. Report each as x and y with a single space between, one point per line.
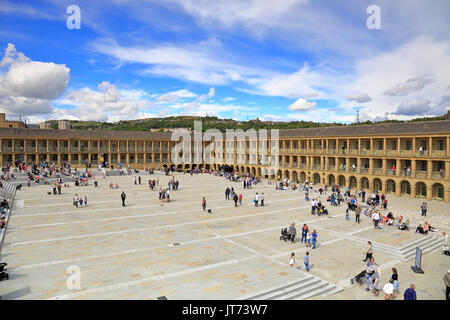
253 171
438 191
341 181
365 185
377 184
259 172
331 180
352 182
421 190
316 178
302 177
294 176
287 174
272 174
405 188
390 186
186 166
279 174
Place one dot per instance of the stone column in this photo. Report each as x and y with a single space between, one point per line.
429 169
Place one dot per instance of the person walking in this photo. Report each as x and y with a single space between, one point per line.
240 199
447 285
410 293
304 233
292 259
424 208
368 251
123 196
292 232
394 277
308 239
227 193
376 219
85 201
314 239
357 213
262 199
139 179
256 199
307 261
235 199
204 203
75 200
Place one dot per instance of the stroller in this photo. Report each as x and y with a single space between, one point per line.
359 278
3 274
284 234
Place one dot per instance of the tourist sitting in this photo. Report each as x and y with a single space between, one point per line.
427 228
2 222
404 225
420 229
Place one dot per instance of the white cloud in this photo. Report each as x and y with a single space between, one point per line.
385 71
107 104
410 85
302 105
27 87
175 96
359 97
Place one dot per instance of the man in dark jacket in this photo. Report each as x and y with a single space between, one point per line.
410 293
123 196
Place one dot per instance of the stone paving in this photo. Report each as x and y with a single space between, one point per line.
130 253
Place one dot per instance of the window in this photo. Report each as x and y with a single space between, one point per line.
394 145
423 166
408 144
33 144
380 144
424 144
295 144
356 145
368 145
440 145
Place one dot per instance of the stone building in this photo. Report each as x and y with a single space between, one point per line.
410 159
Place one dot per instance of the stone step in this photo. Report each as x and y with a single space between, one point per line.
258 295
426 240
333 290
414 243
429 247
293 290
318 288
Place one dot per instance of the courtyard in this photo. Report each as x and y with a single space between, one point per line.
150 248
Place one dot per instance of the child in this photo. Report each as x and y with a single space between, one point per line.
347 215
308 239
292 259
204 204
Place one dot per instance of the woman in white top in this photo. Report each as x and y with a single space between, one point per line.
292 259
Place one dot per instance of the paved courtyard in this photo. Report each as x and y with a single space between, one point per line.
150 249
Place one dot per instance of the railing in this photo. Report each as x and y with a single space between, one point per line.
303 166
131 149
438 154
438 175
378 171
42 149
390 172
353 151
406 153
332 168
73 149
104 149
365 152
53 149
7 149
123 149
392 153
421 174
84 148
63 149
114 149
365 170
317 167
378 152
148 160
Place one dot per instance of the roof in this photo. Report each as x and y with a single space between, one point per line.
391 129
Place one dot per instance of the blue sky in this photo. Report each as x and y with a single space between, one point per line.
285 60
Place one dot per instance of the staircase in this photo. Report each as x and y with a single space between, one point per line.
297 290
